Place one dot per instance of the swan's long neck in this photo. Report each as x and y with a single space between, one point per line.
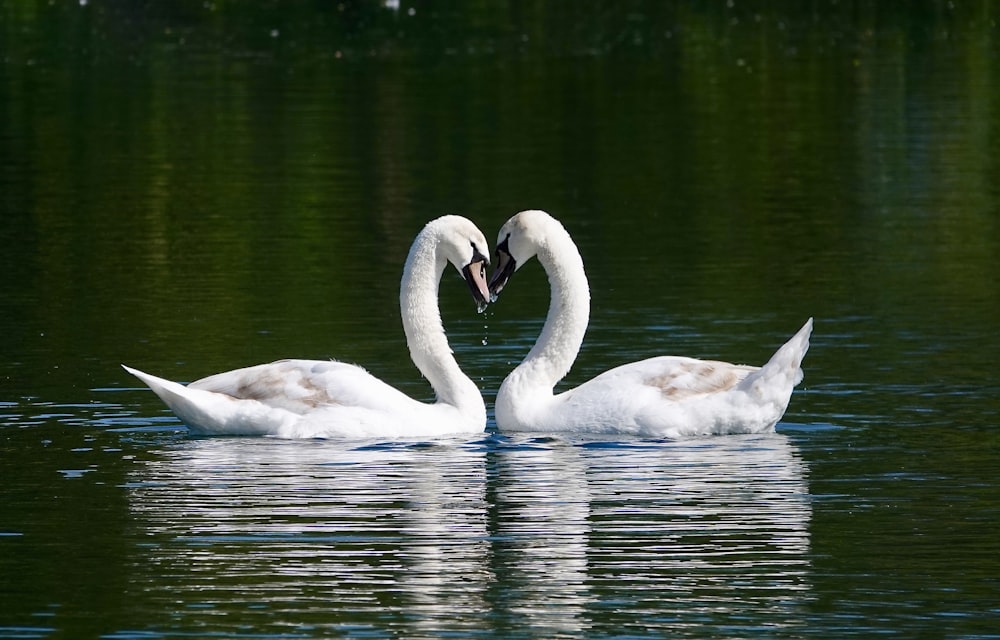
425 337
556 349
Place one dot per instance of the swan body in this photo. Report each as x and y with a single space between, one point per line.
664 396
323 399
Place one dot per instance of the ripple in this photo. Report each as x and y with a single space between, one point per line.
419 535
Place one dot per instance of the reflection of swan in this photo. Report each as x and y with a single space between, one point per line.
309 398
280 530
706 526
666 396
672 534
541 537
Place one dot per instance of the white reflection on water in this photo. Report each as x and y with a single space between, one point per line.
521 537
541 529
308 529
655 535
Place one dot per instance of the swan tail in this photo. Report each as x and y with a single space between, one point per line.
207 412
775 380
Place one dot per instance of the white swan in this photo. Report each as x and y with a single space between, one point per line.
665 396
318 398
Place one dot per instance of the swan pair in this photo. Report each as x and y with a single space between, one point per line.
664 397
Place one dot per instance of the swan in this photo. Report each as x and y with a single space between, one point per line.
327 399
660 397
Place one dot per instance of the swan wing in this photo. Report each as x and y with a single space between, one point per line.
673 378
297 399
675 396
301 386
653 397
207 412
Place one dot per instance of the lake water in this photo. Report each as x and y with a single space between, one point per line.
191 188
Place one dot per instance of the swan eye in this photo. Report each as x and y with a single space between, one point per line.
477 255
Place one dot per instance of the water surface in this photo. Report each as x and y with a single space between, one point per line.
193 189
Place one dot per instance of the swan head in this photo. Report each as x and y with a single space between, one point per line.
519 240
464 246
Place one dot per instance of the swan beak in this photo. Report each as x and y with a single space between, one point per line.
475 276
506 265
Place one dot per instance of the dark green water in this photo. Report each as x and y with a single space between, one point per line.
195 187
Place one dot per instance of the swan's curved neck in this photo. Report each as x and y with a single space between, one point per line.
556 349
425 337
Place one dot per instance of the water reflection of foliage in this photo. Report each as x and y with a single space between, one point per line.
224 162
